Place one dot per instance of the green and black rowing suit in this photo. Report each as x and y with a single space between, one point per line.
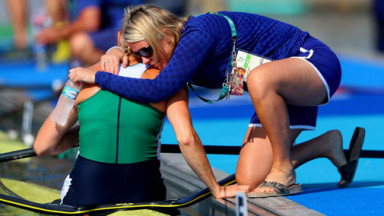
118 154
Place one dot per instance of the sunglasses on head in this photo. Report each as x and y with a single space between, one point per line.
145 52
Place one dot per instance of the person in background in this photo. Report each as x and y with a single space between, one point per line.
58 11
285 92
92 31
19 16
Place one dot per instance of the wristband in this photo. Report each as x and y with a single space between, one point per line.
117 47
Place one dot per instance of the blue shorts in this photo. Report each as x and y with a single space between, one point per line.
95 183
328 67
104 39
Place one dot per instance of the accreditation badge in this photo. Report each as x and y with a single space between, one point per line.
247 61
236 81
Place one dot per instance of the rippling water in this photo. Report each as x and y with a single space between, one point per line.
46 171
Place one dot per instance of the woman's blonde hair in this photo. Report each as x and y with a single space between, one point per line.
151 23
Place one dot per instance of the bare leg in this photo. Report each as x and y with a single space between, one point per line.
18 15
57 10
328 145
271 86
255 159
83 49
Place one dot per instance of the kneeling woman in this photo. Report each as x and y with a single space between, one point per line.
118 139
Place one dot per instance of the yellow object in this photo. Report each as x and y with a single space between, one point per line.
63 52
7 145
40 194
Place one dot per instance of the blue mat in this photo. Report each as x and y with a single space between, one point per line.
26 75
362 73
38 83
348 201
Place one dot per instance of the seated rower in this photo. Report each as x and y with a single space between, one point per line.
118 145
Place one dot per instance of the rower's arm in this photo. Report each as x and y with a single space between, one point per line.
53 139
192 148
189 142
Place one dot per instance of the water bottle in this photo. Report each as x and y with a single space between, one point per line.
66 101
40 21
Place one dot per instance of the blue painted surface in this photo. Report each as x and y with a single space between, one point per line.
362 72
36 82
348 201
25 74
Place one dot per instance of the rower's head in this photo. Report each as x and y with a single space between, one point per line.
152 33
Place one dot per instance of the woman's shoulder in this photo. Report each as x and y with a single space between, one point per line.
150 73
86 92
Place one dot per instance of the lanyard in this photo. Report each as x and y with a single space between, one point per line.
226 85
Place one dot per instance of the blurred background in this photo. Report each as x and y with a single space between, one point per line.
350 27
346 25
30 84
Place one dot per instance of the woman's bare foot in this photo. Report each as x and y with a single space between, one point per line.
332 148
286 177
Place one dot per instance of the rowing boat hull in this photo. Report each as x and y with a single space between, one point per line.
40 194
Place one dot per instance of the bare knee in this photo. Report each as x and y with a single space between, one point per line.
259 84
253 181
79 44
255 159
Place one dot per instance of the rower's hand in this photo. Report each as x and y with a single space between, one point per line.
231 190
49 35
79 75
110 61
